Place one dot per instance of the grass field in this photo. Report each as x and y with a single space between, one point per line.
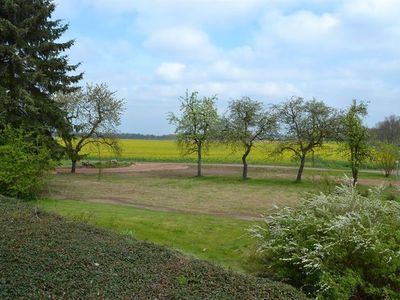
329 156
220 240
205 217
221 191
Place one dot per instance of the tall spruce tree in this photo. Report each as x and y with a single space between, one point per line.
33 65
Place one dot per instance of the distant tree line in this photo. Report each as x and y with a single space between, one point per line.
387 131
139 136
297 126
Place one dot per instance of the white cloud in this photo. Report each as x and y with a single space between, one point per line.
301 29
181 42
306 27
171 71
373 10
156 13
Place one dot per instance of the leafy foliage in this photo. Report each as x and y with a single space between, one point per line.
92 116
386 155
336 246
245 124
33 65
194 128
23 163
355 137
307 125
45 256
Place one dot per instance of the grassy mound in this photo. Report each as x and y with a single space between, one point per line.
45 256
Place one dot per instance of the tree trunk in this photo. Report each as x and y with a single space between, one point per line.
354 166
199 149
354 171
301 168
73 168
244 160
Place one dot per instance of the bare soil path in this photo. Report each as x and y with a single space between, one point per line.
137 167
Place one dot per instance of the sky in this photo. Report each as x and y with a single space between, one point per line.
150 52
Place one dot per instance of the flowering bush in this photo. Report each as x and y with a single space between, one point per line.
336 246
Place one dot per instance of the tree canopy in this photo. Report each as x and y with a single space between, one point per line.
194 128
246 123
307 125
92 115
33 65
355 136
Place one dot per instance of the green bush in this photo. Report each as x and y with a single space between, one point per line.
24 164
385 155
337 246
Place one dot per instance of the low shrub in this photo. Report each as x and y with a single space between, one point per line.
385 156
336 246
24 163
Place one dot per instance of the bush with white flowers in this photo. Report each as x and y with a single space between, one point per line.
336 246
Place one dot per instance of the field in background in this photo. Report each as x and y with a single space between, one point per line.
221 191
206 217
330 156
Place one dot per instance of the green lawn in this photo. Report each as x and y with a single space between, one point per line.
205 217
220 240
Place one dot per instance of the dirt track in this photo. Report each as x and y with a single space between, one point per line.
144 167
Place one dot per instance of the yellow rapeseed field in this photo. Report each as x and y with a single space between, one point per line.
161 150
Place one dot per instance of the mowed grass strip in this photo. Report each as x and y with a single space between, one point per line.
178 190
220 193
219 240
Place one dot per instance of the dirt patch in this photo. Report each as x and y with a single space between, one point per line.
142 167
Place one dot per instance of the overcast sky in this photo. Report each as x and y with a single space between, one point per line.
150 52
